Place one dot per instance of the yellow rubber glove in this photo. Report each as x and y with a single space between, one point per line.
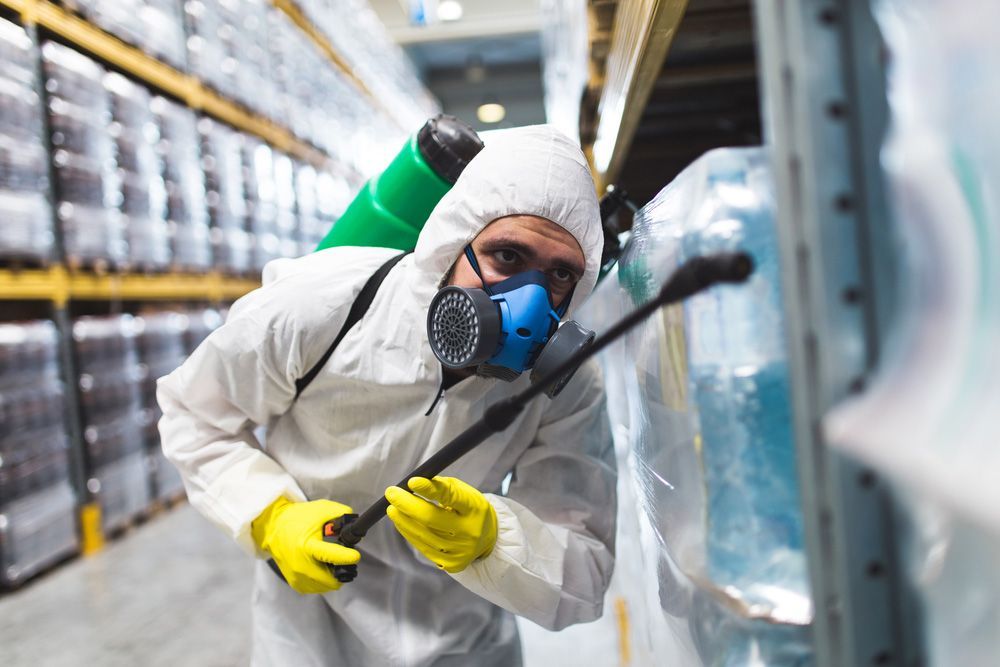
454 526
293 534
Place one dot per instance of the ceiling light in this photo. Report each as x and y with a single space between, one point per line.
449 10
491 112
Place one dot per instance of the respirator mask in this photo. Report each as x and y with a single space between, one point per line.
504 329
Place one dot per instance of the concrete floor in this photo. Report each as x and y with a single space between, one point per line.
175 591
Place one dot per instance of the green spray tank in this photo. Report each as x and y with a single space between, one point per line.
392 207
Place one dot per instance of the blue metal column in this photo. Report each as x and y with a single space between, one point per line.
824 101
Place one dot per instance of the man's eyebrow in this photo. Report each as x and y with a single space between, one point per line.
514 243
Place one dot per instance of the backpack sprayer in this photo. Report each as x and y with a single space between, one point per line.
391 210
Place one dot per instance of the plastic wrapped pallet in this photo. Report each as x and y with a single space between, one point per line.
200 323
210 56
261 193
928 422
704 401
83 153
37 505
222 159
144 195
187 209
111 407
284 197
155 26
26 232
160 342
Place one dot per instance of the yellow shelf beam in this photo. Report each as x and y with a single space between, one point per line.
58 285
643 32
193 92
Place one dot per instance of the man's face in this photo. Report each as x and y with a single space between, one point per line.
517 243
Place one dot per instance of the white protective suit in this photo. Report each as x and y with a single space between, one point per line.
361 426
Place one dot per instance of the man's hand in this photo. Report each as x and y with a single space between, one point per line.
454 526
293 534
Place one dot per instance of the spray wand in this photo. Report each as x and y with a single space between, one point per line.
695 275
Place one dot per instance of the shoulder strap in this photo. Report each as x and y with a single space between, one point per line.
358 310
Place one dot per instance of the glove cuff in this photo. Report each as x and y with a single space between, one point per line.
260 528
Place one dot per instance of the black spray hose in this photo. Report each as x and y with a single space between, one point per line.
693 276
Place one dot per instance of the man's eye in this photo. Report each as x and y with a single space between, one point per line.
562 275
506 256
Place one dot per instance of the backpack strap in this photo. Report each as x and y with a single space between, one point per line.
358 310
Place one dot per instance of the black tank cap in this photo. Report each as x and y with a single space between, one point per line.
448 145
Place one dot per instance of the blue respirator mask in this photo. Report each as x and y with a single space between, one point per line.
504 329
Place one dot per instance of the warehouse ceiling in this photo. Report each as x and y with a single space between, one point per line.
705 96
491 54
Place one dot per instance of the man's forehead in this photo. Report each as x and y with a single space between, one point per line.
534 235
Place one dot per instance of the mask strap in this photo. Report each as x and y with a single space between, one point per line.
471 256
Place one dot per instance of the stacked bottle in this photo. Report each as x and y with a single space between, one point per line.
37 521
286 221
111 407
144 197
261 195
26 232
160 343
710 415
187 210
87 184
223 164
200 323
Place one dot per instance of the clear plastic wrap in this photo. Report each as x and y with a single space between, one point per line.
222 160
122 488
155 26
34 442
201 322
83 153
161 346
144 195
37 531
111 409
262 204
704 401
26 232
928 422
187 209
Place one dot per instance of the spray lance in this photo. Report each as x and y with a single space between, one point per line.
695 275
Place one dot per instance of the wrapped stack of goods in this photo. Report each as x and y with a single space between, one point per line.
112 416
83 153
155 26
37 503
311 226
26 232
201 322
284 199
187 211
160 341
258 169
223 164
144 200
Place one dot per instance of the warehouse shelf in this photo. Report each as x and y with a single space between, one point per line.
296 15
636 49
193 92
60 285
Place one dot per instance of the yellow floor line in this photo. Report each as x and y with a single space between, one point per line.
624 647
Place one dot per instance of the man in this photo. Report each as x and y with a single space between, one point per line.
433 584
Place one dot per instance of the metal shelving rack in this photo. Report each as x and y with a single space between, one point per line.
55 287
822 66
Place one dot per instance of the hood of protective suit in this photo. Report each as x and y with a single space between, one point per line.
533 170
